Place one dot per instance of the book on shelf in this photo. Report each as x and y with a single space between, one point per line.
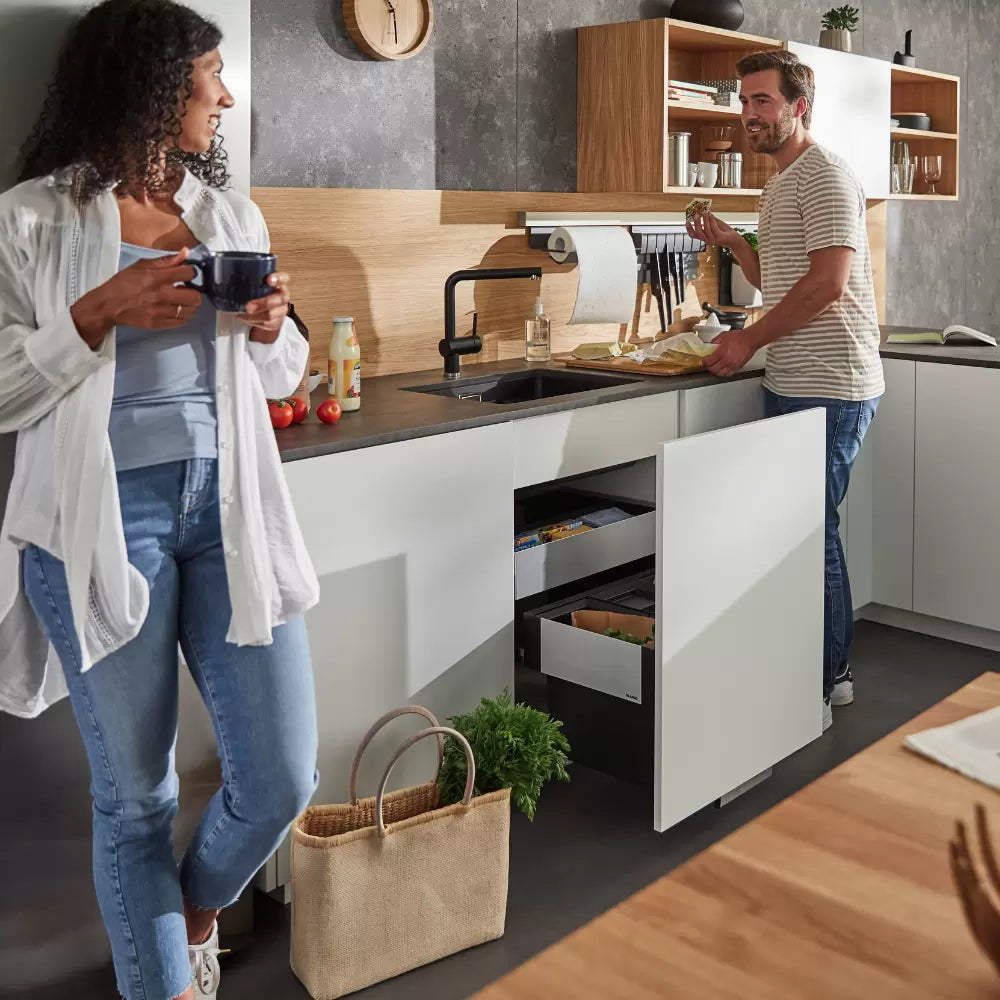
690 98
955 332
700 88
970 746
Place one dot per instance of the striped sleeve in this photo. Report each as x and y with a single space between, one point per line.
833 208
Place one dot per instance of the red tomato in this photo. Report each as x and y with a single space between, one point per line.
281 413
329 411
300 409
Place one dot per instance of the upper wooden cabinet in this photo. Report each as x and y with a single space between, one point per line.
624 114
935 95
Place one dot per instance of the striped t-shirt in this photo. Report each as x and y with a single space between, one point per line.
815 203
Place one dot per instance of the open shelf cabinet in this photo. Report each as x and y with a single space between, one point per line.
937 95
624 115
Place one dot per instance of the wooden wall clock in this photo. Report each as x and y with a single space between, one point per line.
389 29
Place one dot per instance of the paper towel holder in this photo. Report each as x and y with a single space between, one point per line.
669 228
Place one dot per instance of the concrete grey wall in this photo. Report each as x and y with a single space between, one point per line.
491 105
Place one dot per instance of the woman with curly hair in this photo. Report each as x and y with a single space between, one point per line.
148 507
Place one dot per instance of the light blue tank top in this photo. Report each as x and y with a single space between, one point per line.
164 402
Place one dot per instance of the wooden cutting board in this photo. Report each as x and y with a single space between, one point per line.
626 367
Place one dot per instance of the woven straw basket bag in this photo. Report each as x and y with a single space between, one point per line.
383 885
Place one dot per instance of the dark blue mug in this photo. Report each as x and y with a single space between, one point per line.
232 278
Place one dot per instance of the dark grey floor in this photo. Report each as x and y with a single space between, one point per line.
590 846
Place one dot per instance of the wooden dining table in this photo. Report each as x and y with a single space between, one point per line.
843 891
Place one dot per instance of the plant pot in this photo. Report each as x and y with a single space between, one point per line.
714 13
835 38
742 292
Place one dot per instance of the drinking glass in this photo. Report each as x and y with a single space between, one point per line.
930 168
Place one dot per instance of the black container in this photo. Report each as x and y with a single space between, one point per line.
715 13
605 733
734 320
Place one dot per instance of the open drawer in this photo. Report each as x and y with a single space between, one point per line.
554 563
602 689
734 683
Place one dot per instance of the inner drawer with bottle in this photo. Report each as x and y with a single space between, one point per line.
565 532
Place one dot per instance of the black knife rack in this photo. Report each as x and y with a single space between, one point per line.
666 261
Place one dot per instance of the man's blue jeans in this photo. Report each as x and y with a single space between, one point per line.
846 425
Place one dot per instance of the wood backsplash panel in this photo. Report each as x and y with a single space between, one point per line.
383 257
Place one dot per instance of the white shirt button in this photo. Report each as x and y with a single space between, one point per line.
227 500
224 445
232 553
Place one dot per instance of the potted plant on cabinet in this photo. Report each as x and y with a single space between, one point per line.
514 746
838 26
741 291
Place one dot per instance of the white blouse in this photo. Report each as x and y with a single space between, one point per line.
55 393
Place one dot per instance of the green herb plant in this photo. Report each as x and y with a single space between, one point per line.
749 236
613 633
515 747
841 19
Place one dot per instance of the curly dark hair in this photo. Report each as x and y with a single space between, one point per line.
121 82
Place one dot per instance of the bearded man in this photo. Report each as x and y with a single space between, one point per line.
820 324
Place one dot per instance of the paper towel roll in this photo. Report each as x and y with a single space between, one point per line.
606 268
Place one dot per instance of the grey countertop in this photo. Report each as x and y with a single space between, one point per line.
389 412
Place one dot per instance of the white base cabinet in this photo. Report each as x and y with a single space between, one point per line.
890 448
956 497
413 545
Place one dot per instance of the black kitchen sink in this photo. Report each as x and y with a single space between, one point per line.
523 387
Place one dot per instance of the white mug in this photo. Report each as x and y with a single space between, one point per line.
708 174
692 174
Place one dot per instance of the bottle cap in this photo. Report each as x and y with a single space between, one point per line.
343 319
539 311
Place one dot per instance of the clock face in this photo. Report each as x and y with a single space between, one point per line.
389 29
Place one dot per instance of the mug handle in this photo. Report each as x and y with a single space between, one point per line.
200 265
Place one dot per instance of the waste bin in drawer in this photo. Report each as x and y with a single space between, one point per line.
602 689
555 563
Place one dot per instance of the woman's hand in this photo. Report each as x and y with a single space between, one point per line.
267 315
147 295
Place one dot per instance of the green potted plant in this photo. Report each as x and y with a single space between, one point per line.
839 24
515 747
741 291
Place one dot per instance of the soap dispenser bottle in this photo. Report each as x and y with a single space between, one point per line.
537 345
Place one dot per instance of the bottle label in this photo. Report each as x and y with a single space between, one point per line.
352 379
331 377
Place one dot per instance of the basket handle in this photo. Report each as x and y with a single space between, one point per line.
370 735
441 732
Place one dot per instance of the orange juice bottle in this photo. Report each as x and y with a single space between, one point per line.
344 364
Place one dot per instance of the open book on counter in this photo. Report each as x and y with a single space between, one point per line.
955 333
970 746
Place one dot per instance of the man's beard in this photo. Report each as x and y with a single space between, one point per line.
777 134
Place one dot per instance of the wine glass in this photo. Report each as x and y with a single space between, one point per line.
930 168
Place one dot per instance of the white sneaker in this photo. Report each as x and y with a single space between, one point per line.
843 690
827 714
205 972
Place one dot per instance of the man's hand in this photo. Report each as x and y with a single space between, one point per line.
734 349
713 231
